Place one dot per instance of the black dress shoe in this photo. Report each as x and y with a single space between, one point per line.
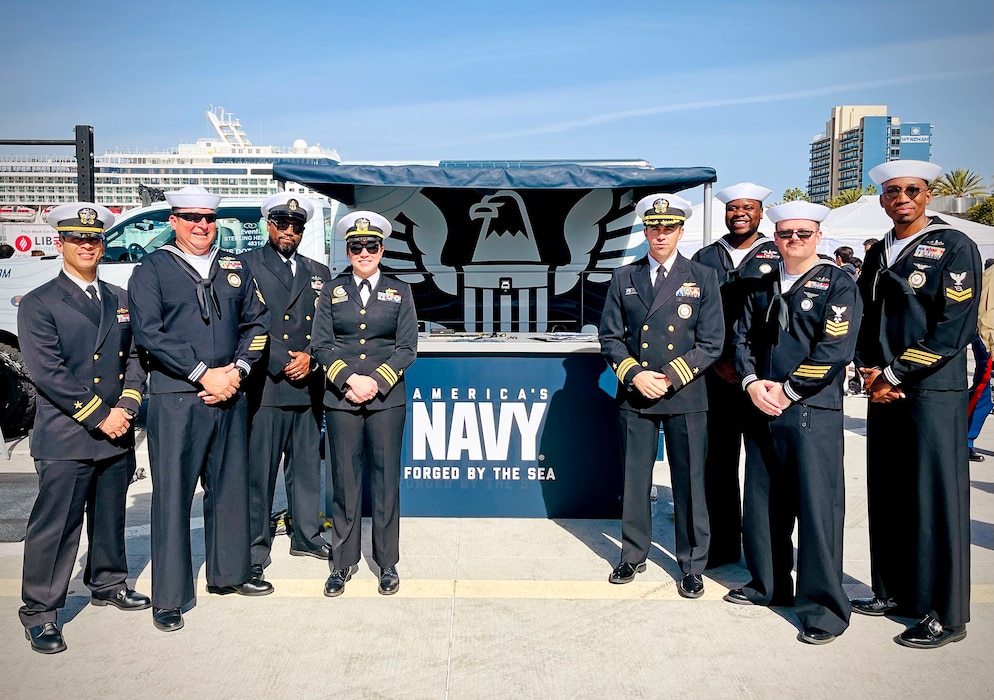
930 634
737 596
335 585
252 587
975 456
389 581
692 586
875 607
124 599
322 552
625 572
46 638
814 635
167 620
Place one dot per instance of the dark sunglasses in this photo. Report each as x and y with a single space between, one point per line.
195 218
912 191
284 224
802 233
356 247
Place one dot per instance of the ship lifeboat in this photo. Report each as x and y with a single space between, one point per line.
16 212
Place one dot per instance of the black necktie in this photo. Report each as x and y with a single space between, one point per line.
91 292
286 274
658 284
289 266
364 284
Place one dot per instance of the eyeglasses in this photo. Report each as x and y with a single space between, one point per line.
284 224
802 233
195 218
912 191
356 247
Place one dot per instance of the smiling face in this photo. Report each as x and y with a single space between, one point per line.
742 217
288 240
364 263
194 237
80 256
798 253
662 240
906 212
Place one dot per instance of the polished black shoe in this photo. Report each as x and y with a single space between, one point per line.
168 620
322 552
389 581
875 607
124 599
975 456
692 586
625 572
335 585
46 638
737 596
930 634
814 635
252 587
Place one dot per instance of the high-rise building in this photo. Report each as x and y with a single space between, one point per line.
857 138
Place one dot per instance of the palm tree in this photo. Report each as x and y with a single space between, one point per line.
959 183
848 197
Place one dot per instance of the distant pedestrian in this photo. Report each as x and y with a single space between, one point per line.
980 391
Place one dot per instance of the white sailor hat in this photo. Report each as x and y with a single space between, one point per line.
743 190
192 197
657 209
797 210
289 205
905 168
363 224
81 220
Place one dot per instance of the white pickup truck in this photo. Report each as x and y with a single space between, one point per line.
240 227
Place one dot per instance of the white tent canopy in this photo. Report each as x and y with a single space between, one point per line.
849 225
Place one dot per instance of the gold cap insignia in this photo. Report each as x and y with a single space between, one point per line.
292 204
660 206
87 216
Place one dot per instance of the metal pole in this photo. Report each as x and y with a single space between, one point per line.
85 185
707 213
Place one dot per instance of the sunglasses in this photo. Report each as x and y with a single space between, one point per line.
284 224
195 218
802 233
895 192
372 246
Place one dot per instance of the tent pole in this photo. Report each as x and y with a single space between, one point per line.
707 213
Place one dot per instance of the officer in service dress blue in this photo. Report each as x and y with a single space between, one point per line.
921 289
200 323
284 389
739 258
75 334
796 336
365 336
662 326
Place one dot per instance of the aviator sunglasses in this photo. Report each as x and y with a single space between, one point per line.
802 233
356 247
284 224
195 218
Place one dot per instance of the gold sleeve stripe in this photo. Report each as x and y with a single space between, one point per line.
84 413
132 394
834 329
682 370
624 367
258 342
920 356
811 371
387 373
959 296
258 293
336 367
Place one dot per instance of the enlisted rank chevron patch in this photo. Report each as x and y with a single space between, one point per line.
836 328
959 295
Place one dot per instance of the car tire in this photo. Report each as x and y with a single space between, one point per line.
17 394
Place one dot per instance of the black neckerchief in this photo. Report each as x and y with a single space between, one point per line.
204 287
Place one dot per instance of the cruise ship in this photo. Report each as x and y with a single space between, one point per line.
227 164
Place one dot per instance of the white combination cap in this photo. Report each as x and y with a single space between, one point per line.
365 224
797 210
743 190
80 219
192 197
289 205
657 209
905 168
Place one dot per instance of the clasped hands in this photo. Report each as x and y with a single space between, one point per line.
652 385
768 396
219 384
361 388
881 391
299 366
116 424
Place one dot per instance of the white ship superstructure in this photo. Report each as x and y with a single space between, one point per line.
227 164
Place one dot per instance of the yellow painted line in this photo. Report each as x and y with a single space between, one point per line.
483 589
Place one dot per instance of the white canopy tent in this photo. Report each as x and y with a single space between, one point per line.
849 225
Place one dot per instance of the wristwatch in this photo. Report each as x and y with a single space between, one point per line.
242 373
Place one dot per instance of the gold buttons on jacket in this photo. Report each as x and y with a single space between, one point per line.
645 345
645 328
362 311
96 380
670 329
120 376
362 326
121 353
362 356
362 341
670 346
286 337
307 318
286 317
96 356
308 336
645 364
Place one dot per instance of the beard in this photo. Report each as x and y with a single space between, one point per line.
286 249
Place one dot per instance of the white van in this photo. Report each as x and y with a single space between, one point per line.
137 232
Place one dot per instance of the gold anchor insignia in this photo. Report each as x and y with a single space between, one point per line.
660 206
87 216
292 204
362 224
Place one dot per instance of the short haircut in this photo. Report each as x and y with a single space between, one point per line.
844 253
869 241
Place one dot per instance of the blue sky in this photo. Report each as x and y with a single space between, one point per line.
741 87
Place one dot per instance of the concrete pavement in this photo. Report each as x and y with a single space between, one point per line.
494 608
